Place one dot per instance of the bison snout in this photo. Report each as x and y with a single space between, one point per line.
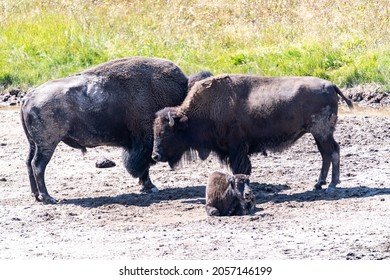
156 156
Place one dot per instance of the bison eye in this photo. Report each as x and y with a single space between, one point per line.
162 133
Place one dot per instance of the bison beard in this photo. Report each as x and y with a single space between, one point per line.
236 116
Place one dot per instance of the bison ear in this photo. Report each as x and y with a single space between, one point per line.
231 180
183 119
183 122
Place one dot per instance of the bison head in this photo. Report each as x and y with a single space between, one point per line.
240 183
170 141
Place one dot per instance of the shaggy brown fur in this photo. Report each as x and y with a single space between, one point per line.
228 195
236 116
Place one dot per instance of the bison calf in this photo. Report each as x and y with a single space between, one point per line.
228 195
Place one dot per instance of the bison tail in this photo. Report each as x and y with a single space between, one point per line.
26 131
347 100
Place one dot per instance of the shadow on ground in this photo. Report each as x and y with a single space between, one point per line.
264 193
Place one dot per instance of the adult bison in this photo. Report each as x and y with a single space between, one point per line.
236 116
112 104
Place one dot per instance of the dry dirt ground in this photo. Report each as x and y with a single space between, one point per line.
102 215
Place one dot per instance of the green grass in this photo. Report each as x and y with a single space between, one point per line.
347 42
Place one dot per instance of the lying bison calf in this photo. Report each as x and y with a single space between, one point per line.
236 116
228 195
112 104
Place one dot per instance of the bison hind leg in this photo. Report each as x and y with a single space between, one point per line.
37 159
322 128
330 153
39 162
33 184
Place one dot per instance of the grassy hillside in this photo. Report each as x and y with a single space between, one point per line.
345 41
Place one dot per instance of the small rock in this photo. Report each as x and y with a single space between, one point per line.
6 97
15 92
104 163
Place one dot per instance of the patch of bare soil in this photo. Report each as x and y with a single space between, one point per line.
102 214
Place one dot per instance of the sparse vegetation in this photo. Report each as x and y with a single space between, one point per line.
344 41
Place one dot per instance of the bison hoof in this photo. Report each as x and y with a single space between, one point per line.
330 189
45 198
318 185
332 186
213 212
149 190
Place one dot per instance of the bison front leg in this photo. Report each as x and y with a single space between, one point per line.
239 210
212 211
146 183
137 162
236 208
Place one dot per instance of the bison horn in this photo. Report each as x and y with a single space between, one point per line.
171 120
